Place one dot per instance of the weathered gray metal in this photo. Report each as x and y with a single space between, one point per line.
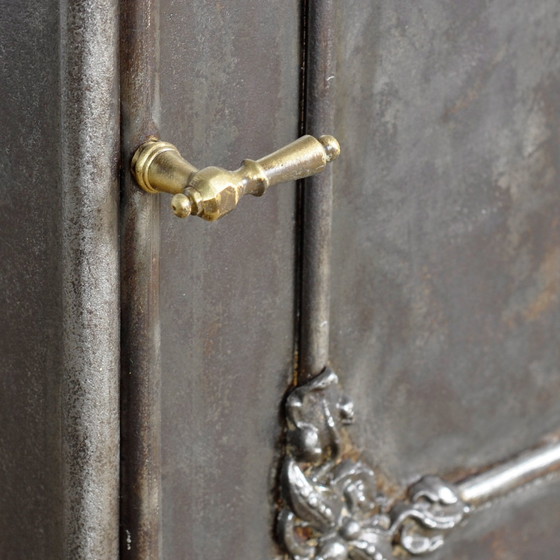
444 304
31 509
445 316
229 90
60 334
89 183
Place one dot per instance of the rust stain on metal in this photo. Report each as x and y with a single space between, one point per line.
473 93
549 286
500 549
212 333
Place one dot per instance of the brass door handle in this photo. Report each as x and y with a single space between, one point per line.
213 192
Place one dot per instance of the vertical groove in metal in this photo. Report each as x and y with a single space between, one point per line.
89 183
317 194
140 366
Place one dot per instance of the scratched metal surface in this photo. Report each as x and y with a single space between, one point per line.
446 243
229 90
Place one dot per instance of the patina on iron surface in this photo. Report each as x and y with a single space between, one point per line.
334 509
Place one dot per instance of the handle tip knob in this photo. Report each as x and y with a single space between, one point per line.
331 145
181 205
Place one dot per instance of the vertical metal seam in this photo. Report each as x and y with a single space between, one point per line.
140 335
299 209
316 207
89 196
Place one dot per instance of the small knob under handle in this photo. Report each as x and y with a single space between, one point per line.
213 192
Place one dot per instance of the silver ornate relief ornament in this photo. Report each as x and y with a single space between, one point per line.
332 507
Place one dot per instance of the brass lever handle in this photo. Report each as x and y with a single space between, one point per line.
213 192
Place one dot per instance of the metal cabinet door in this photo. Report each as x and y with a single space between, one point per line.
444 262
228 78
438 308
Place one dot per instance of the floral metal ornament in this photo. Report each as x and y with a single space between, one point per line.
333 509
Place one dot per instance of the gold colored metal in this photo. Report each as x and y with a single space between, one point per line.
213 192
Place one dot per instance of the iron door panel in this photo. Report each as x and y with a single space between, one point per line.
229 91
445 314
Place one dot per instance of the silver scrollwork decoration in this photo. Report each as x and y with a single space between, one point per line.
332 507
